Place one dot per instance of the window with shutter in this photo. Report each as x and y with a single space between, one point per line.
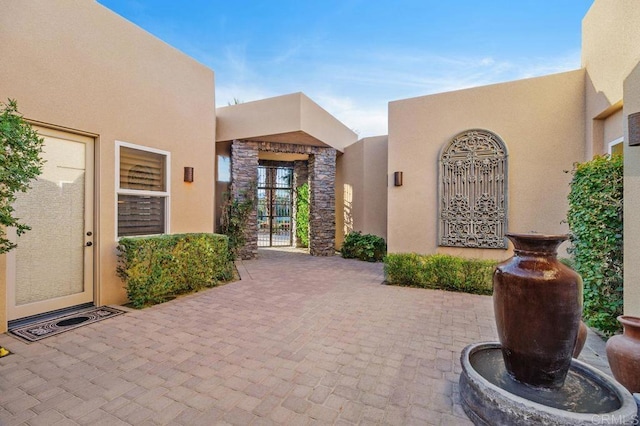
143 190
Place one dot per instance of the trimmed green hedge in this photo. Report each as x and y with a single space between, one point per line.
595 219
368 247
157 268
440 271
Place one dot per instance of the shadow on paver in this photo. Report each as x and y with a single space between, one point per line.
298 339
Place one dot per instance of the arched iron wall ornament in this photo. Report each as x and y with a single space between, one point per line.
473 191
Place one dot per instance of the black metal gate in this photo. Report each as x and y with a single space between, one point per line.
275 206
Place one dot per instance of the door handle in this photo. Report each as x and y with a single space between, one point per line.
89 244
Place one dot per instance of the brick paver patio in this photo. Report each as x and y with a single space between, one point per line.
299 340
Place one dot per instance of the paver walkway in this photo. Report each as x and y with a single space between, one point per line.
299 340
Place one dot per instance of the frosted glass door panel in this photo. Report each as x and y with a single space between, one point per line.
50 257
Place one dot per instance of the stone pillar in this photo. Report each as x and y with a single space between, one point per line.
300 177
322 201
244 178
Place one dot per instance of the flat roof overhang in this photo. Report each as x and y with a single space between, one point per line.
292 118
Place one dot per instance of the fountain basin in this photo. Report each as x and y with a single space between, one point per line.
491 397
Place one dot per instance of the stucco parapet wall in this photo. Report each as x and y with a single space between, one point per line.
481 92
292 118
610 46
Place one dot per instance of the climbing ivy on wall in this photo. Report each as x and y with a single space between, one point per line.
302 215
595 219
236 213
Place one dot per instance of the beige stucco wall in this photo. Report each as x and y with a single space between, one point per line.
631 200
610 50
375 185
610 54
349 191
541 122
361 188
323 126
276 115
77 65
613 128
292 118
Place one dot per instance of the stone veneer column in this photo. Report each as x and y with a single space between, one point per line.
300 177
322 202
244 177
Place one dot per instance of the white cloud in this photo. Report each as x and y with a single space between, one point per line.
487 61
371 121
236 61
357 88
286 55
366 120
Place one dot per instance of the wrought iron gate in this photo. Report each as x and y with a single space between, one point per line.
275 206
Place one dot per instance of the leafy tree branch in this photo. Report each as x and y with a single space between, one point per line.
20 163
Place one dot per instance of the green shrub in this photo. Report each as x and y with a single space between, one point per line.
157 268
568 261
364 247
20 163
440 271
402 269
302 215
236 213
595 219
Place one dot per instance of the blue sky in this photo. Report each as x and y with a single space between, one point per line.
354 56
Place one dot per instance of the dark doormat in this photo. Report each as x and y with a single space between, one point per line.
51 326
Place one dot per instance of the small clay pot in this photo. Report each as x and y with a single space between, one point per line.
623 352
580 340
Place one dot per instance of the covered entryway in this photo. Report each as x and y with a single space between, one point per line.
319 172
275 205
288 128
52 267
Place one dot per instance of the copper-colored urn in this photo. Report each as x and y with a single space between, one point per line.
581 339
623 353
538 306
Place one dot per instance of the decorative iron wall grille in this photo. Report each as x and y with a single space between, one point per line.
473 191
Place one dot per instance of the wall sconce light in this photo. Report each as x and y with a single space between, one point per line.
634 129
188 174
397 178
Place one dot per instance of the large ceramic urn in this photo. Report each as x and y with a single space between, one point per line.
623 353
538 305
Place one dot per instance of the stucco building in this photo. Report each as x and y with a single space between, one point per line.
546 124
135 146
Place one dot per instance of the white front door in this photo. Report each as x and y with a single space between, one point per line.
52 267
